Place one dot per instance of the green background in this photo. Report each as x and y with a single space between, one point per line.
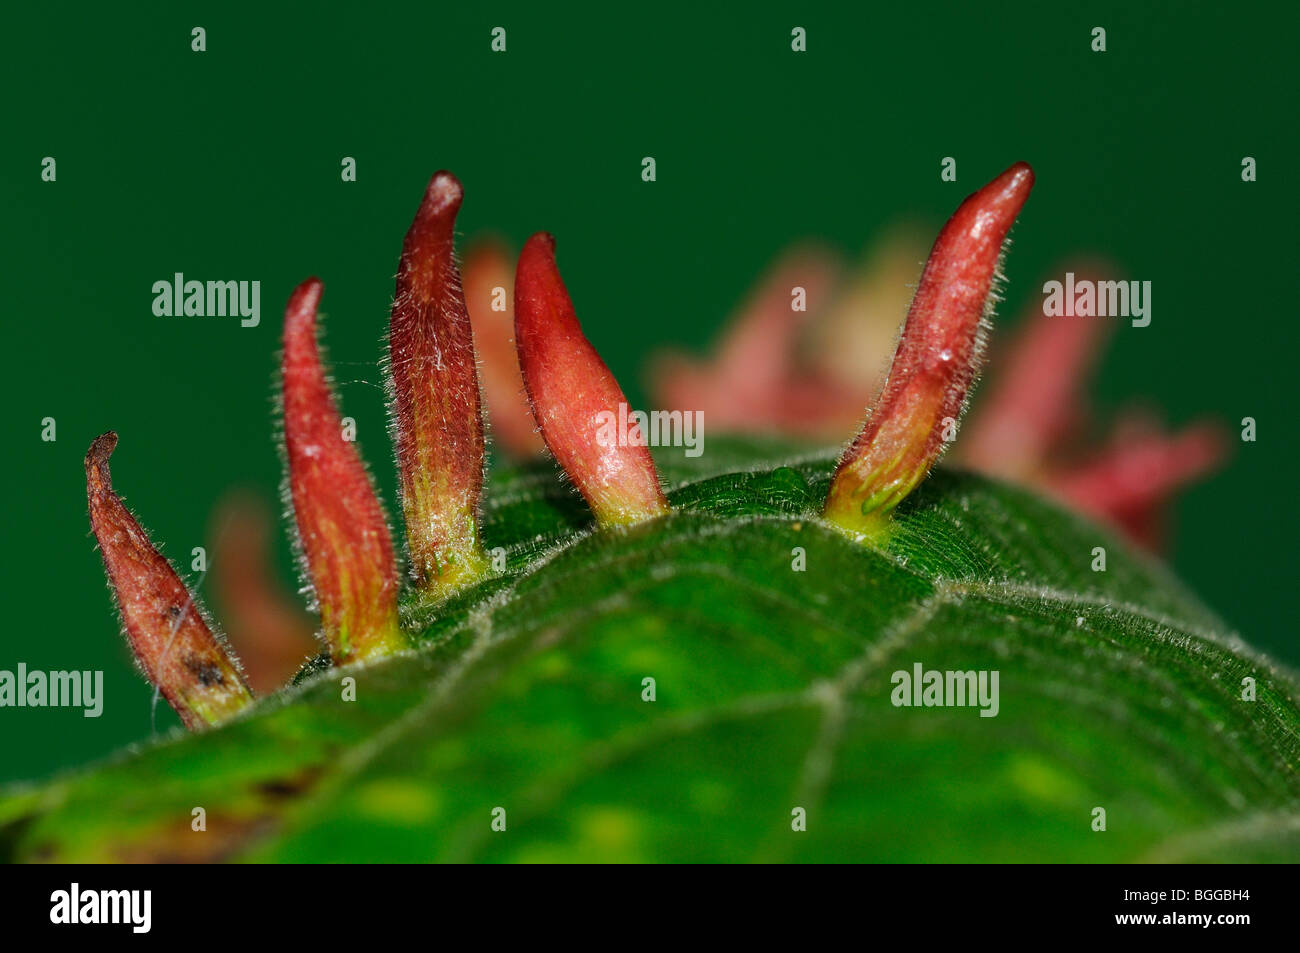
225 165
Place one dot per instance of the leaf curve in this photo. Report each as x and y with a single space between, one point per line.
1118 690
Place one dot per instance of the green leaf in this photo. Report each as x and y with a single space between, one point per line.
1117 690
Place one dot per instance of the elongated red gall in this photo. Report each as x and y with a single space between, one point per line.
936 361
344 536
572 392
437 414
164 623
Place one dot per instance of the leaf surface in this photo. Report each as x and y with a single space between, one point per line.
1117 690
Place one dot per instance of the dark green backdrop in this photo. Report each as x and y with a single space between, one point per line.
225 165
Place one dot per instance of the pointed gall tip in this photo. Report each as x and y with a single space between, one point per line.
161 617
443 195
97 459
436 404
540 243
342 529
576 401
1005 196
935 365
537 268
1013 186
989 212
304 302
537 274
